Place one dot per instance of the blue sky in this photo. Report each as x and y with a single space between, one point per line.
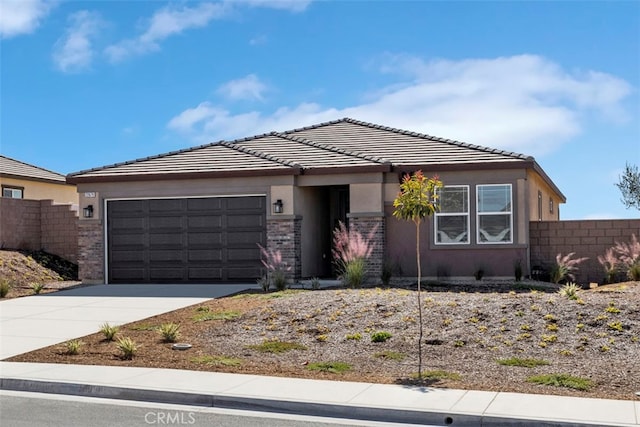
89 83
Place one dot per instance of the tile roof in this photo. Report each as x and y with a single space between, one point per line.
348 145
400 147
12 168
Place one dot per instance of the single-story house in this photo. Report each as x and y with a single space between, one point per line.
21 180
197 215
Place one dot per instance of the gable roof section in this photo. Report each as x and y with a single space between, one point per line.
11 168
212 160
400 147
340 146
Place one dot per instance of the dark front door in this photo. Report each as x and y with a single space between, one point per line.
194 240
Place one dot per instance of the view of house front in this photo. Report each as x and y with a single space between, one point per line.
198 215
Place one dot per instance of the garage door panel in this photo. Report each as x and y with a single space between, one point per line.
245 203
204 222
210 255
175 274
171 239
175 256
242 221
118 240
166 205
204 239
242 254
165 222
128 275
124 256
205 274
128 223
240 273
128 206
213 204
185 240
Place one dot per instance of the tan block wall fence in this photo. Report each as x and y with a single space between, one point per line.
587 238
39 225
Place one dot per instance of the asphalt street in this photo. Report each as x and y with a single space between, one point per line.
21 409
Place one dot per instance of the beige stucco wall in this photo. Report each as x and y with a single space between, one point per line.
366 198
535 183
38 190
182 188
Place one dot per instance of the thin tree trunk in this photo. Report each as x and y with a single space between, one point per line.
419 300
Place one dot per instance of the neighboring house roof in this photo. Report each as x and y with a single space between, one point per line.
342 146
11 168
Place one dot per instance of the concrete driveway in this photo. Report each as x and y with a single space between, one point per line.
33 322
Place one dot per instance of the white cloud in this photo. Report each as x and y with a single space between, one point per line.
523 103
22 16
165 22
73 52
245 88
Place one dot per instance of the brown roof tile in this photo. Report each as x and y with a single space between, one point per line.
16 169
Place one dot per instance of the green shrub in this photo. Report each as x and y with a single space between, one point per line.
633 272
264 283
380 336
562 380
523 363
37 287
353 273
109 331
616 326
169 332
73 346
127 347
356 337
570 290
5 287
333 367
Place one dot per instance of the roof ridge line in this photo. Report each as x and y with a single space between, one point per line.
438 139
33 166
332 148
256 153
327 123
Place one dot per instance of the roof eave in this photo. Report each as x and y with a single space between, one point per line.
437 167
347 169
73 179
32 178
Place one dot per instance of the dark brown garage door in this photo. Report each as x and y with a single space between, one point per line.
201 240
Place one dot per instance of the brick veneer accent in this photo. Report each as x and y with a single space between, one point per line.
39 225
90 251
284 234
375 227
587 238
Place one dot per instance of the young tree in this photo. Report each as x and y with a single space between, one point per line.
629 186
417 200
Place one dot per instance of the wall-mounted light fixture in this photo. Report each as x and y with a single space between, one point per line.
278 207
88 211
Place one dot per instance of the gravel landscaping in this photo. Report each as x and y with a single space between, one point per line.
492 336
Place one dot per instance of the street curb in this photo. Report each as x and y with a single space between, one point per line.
345 411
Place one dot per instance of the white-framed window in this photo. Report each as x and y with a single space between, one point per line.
494 214
451 223
12 192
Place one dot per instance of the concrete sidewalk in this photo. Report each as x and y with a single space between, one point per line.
363 401
33 322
